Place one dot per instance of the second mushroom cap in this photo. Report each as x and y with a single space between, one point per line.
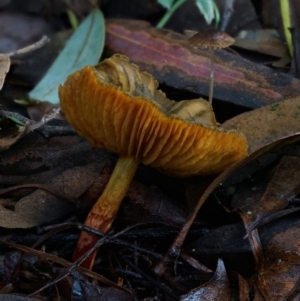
213 38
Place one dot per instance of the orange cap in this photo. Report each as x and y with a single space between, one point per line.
116 106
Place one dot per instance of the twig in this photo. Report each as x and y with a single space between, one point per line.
260 221
159 284
76 264
47 131
61 261
43 41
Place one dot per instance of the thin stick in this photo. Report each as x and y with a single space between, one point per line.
44 40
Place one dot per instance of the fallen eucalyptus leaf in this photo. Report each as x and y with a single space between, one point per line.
42 207
282 187
266 41
167 56
269 124
83 48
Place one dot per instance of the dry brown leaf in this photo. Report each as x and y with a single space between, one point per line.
257 295
269 124
282 187
266 41
42 207
4 68
36 154
279 274
243 289
216 289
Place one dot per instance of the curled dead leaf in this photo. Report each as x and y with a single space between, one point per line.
4 67
216 289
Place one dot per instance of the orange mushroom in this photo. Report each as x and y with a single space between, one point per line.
116 106
213 39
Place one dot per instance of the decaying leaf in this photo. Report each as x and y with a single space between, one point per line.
42 207
4 67
167 56
266 41
282 187
243 289
36 154
216 289
278 276
269 124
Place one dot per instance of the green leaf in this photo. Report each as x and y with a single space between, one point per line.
83 48
72 18
287 24
15 120
166 3
217 14
206 8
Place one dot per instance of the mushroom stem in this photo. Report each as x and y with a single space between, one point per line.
211 78
104 211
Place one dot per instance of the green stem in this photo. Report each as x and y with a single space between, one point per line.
217 14
287 23
169 13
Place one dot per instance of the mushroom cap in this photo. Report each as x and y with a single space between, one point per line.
117 107
212 38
